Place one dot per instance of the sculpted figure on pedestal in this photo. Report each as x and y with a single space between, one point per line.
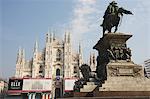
112 17
86 71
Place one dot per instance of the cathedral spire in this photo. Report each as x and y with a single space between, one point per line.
23 53
69 37
65 38
94 59
80 55
36 47
80 49
19 51
48 36
19 55
35 53
51 37
23 57
90 59
54 36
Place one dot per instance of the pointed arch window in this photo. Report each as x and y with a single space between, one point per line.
57 72
40 69
75 69
58 55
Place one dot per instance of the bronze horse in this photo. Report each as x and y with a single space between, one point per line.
113 20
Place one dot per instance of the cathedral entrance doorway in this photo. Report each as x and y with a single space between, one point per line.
38 96
57 93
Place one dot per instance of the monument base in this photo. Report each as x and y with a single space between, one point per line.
120 87
124 79
118 75
123 94
126 84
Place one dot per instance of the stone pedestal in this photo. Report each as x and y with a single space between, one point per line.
124 68
89 87
113 51
117 74
116 69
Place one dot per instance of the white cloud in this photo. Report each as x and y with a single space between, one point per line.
82 18
84 25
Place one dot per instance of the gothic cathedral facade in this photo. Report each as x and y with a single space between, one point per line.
56 59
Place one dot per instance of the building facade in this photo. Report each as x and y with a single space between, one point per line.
56 59
57 62
147 68
3 88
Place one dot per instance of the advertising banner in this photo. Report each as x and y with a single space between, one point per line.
37 85
15 84
69 84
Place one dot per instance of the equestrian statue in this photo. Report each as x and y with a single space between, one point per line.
112 17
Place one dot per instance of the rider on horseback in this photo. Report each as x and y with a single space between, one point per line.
111 10
112 17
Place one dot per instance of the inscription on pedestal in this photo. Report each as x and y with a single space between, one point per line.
123 71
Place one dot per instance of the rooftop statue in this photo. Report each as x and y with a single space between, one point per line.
112 17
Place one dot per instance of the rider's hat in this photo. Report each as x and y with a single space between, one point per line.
113 3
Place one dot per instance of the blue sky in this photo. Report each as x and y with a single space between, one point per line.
24 21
